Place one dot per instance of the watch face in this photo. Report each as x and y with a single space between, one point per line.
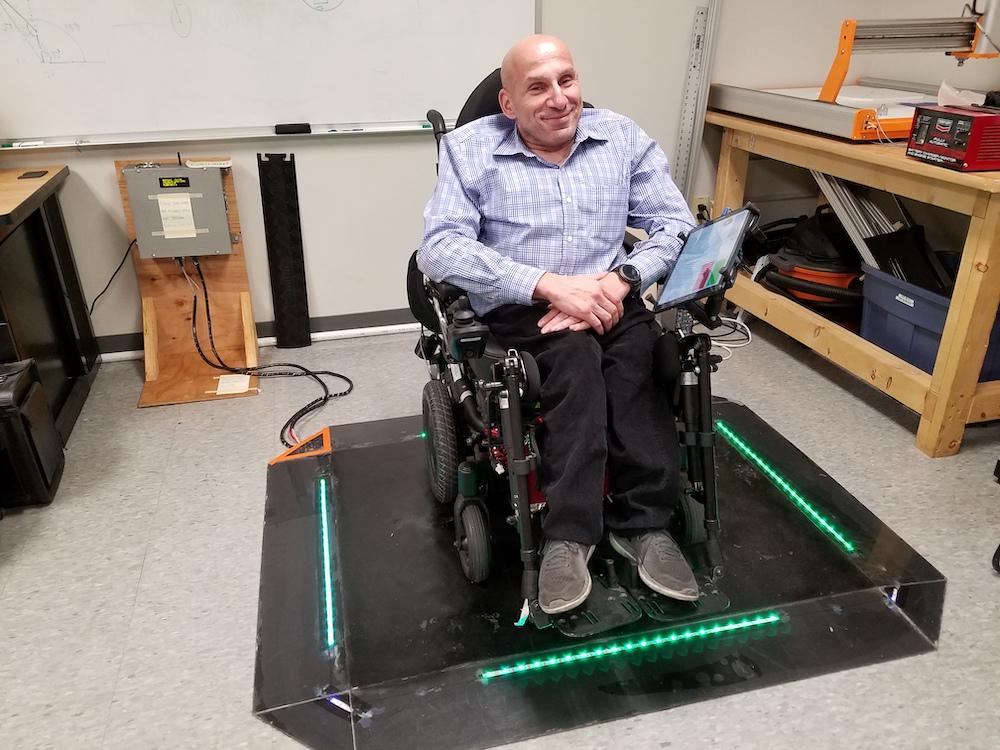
629 273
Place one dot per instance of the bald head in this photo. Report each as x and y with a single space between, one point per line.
527 51
541 93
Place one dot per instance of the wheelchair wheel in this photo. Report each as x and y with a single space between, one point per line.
532 379
441 449
474 546
694 520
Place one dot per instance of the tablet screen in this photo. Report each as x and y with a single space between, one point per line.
708 253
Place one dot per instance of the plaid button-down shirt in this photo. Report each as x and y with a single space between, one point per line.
501 216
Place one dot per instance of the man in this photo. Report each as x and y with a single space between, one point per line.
528 217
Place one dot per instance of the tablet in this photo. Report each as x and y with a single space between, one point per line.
707 259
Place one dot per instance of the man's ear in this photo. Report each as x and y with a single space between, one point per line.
506 104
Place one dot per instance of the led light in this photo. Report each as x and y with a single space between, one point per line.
328 604
422 436
820 521
613 648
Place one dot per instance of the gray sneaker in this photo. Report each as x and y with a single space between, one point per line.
661 563
563 581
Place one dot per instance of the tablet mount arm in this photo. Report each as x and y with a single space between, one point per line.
707 312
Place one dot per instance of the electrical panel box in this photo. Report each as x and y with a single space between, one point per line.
178 211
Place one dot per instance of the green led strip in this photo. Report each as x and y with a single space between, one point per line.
821 522
328 607
644 643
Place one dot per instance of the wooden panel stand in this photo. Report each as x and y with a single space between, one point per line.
175 372
950 398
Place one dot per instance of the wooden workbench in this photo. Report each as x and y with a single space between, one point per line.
951 397
20 195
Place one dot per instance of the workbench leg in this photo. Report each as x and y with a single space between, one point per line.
731 180
966 335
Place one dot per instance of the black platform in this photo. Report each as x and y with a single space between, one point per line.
370 637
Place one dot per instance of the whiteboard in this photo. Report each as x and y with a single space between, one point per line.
131 66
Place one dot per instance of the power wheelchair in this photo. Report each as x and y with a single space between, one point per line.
480 420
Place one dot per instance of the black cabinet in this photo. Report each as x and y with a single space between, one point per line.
31 450
43 315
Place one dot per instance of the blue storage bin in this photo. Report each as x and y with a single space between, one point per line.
908 321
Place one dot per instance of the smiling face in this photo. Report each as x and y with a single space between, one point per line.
541 92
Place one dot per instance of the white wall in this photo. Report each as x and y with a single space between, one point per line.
360 200
619 51
362 197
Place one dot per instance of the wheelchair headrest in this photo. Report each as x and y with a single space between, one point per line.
485 100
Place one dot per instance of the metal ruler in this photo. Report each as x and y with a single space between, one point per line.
695 97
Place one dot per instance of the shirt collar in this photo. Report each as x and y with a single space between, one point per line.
512 144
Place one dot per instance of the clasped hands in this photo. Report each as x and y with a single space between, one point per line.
580 302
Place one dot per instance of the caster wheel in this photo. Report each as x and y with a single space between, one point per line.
474 545
694 521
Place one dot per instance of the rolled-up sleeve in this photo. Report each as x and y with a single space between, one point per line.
657 207
451 251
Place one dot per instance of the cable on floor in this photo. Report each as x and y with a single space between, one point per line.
273 370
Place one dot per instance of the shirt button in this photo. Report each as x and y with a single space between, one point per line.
569 238
568 199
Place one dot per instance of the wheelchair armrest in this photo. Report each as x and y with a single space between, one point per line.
446 293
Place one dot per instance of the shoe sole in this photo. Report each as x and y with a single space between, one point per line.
622 549
572 603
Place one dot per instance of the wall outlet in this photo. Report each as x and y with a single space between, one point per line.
701 200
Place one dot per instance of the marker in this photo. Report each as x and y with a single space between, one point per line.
25 144
6 145
347 130
425 124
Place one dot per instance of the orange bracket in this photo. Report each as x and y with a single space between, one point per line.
842 61
970 55
314 445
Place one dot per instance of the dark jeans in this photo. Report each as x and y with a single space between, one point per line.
601 408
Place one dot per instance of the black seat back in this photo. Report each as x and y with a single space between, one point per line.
483 101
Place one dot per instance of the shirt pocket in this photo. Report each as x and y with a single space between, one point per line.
522 202
603 206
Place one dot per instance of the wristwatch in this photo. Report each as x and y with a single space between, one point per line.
630 275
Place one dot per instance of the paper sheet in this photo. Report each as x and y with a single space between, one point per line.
230 384
177 215
196 164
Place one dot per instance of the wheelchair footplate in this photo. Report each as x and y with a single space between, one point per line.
661 608
609 606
